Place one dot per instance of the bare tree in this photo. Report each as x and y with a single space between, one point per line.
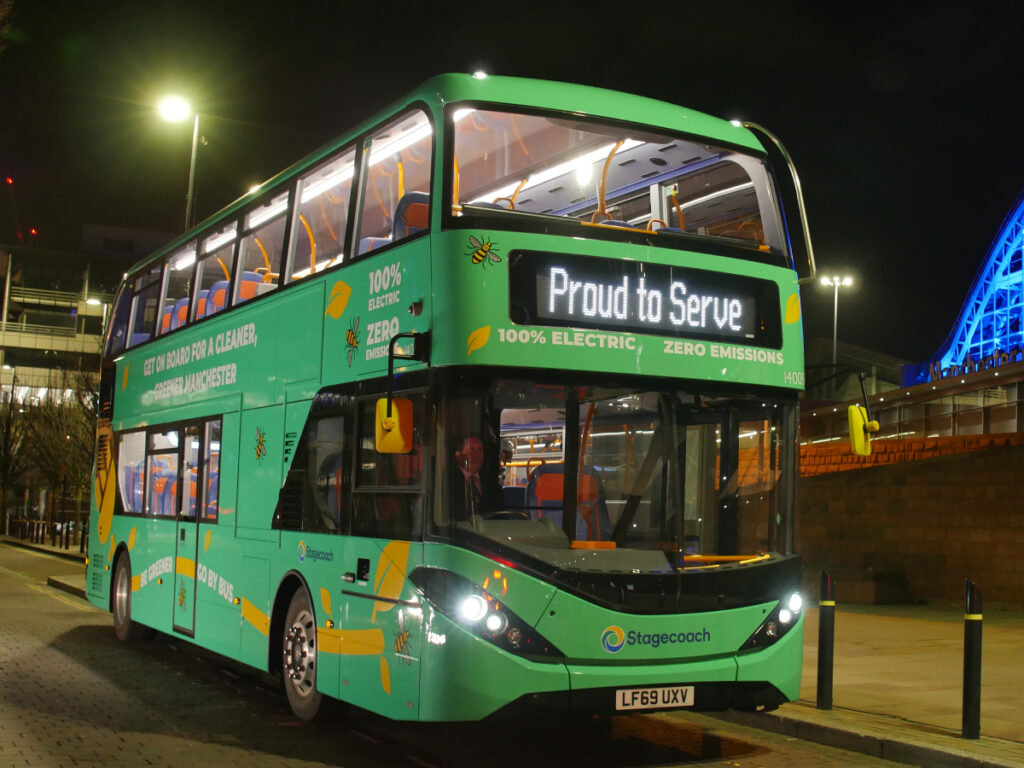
15 458
62 437
6 12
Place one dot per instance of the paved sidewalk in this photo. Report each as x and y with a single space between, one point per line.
68 554
897 686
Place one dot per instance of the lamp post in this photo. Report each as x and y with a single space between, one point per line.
176 109
835 282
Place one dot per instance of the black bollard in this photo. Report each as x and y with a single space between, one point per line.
826 639
971 722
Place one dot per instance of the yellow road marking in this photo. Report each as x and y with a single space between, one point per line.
49 592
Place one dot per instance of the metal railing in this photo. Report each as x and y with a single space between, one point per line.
39 330
57 298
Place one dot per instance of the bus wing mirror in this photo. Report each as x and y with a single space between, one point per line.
393 434
861 429
393 425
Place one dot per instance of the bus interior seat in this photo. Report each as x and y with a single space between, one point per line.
179 315
193 474
370 243
333 475
544 491
162 489
133 486
544 499
211 489
201 303
411 214
217 299
138 338
165 319
615 223
248 286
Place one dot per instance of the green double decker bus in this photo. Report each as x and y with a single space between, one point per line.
487 408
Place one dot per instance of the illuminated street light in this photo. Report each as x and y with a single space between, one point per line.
176 109
835 282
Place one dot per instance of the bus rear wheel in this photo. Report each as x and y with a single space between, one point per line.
299 657
125 629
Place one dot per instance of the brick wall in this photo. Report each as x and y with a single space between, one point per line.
915 519
824 458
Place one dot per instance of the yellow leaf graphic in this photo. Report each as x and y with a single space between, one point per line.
124 379
113 546
206 541
477 339
325 599
390 576
131 539
340 293
793 309
106 482
385 676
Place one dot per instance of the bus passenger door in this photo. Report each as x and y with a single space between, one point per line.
382 647
187 539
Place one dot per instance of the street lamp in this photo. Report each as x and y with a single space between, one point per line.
176 109
835 282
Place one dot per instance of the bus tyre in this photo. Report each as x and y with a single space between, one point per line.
299 662
124 628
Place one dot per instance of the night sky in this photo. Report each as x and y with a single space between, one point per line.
904 120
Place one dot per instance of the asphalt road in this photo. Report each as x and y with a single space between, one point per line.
71 695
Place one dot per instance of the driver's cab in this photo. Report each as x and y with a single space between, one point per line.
611 478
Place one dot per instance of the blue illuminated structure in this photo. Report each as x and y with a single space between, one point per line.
991 322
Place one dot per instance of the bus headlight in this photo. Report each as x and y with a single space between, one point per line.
783 618
496 622
479 612
473 608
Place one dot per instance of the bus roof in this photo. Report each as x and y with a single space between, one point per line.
514 92
586 100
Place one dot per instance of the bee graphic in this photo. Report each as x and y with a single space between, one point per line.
484 252
261 448
402 639
352 340
181 593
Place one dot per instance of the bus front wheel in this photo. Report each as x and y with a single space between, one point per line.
125 628
299 662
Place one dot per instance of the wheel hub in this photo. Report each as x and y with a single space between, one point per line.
299 654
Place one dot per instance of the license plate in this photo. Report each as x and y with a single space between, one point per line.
654 698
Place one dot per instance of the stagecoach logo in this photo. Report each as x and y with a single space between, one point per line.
613 639
313 554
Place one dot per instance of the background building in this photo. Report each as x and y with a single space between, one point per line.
55 304
938 499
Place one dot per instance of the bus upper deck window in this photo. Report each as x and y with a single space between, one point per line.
145 304
320 225
396 182
213 275
118 332
259 254
600 174
174 312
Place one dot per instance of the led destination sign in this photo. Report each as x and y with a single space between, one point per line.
615 294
